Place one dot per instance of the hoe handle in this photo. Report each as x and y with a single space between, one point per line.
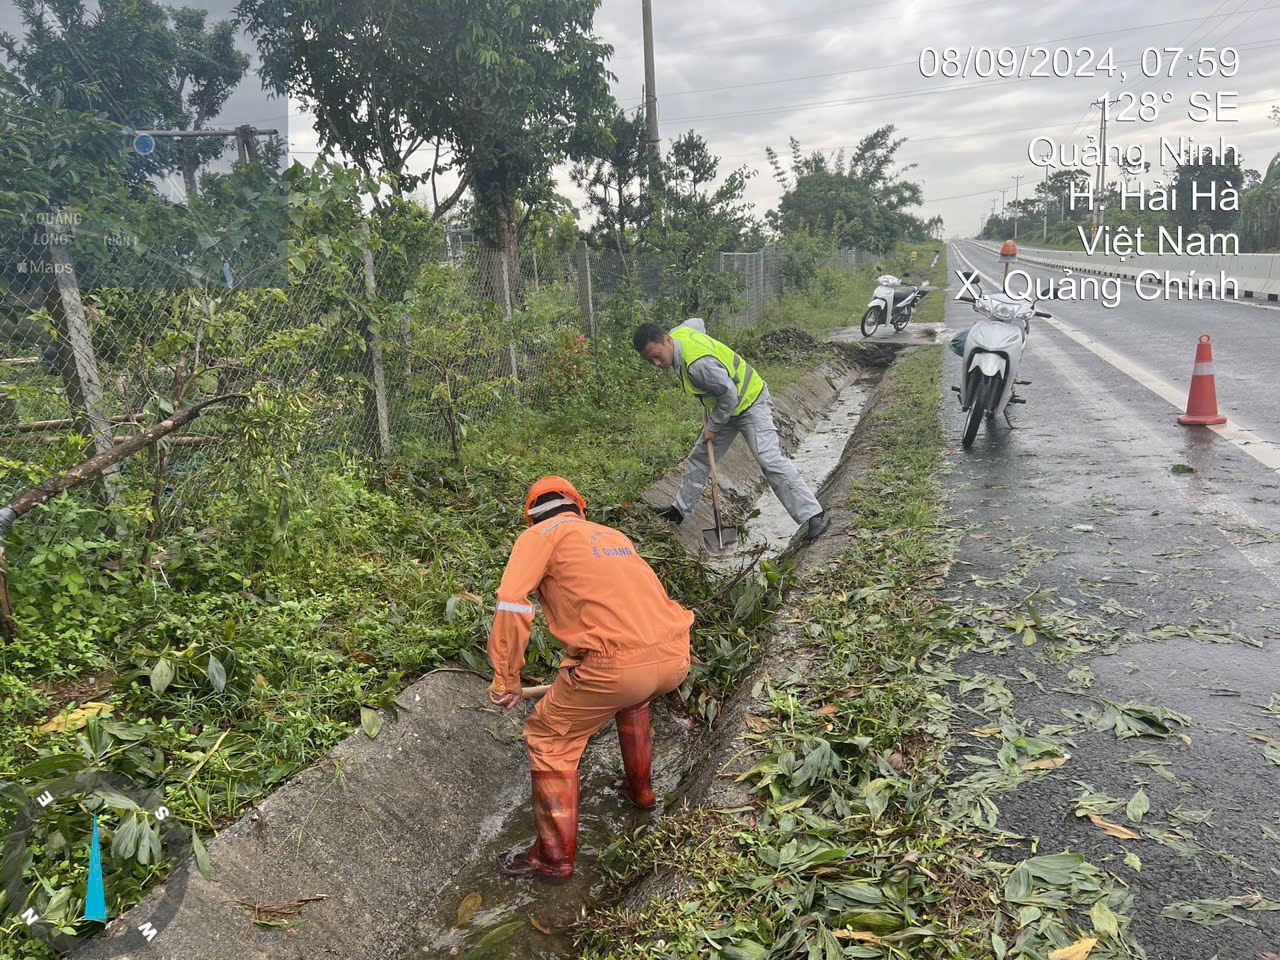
715 485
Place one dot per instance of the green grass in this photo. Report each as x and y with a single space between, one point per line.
861 841
379 575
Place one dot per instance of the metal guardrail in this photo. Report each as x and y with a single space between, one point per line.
1258 274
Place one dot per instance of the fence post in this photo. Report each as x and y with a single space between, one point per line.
77 362
376 420
536 284
405 342
510 312
586 307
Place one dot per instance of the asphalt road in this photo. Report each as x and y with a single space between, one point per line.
1161 336
1082 500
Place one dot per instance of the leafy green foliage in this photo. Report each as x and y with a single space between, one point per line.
859 204
852 847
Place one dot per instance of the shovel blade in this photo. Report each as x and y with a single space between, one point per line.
720 538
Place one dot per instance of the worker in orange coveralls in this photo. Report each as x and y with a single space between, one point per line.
627 642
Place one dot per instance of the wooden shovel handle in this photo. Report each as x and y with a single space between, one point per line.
715 481
534 693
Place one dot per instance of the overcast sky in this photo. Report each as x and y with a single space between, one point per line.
748 74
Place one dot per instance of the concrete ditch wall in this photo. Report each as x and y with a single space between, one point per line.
712 764
381 827
795 412
1258 274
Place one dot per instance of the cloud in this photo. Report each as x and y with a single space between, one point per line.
749 74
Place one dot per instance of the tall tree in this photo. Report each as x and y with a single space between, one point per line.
343 61
1197 178
139 63
615 185
701 214
861 201
1260 213
512 88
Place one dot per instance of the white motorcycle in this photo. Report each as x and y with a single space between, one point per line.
991 350
893 302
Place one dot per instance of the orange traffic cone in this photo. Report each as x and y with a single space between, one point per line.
1202 401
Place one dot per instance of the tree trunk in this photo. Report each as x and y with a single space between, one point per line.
495 194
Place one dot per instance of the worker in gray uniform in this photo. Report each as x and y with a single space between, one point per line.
736 400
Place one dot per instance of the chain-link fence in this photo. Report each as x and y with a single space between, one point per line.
358 351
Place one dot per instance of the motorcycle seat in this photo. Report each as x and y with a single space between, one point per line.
903 294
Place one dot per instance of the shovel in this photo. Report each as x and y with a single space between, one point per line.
718 537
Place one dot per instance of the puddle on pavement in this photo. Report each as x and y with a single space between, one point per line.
511 911
818 454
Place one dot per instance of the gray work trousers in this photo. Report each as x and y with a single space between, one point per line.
757 428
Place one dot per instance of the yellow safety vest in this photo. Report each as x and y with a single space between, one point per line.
695 346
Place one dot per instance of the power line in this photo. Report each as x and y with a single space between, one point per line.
897 95
1079 36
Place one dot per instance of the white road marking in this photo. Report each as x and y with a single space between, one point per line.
1224 513
1248 441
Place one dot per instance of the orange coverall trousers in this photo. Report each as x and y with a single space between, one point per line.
627 641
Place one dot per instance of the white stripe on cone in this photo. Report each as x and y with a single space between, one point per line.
1203 370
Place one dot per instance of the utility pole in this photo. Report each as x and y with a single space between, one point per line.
1003 191
1103 104
650 94
1044 237
1016 182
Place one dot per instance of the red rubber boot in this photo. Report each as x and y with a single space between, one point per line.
555 815
634 737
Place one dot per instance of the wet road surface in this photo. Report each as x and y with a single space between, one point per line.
1159 546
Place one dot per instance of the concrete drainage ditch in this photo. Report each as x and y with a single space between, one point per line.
396 837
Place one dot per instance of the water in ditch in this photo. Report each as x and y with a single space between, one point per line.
771 529
524 919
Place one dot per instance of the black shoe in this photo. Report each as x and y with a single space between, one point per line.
818 525
671 513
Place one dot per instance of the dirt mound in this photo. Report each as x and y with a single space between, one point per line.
788 343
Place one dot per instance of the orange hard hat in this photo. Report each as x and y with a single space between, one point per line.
546 485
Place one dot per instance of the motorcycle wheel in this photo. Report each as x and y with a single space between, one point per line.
983 393
900 322
871 320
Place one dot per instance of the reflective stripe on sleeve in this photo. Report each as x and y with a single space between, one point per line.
505 606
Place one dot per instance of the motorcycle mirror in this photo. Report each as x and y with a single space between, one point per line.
1041 313
967 299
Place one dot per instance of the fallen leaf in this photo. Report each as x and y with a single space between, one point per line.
76 718
758 724
539 926
468 908
467 595
1104 920
986 732
1079 950
828 711
1008 516
1132 862
897 761
1138 806
862 936
1113 829
1045 763
361 657
979 536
